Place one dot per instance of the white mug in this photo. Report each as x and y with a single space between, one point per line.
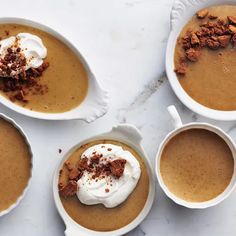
179 127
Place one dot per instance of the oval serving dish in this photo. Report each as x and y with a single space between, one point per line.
92 107
128 134
182 11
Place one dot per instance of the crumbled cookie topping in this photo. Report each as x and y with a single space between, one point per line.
15 80
213 34
97 166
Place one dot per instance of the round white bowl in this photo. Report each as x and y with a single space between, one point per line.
131 136
179 127
182 11
11 121
95 103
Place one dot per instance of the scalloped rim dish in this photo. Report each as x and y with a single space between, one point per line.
95 103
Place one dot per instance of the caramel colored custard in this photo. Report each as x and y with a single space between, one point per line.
65 78
196 165
15 162
97 217
211 80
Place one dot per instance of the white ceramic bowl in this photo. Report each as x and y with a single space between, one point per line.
179 127
94 105
11 121
181 13
125 133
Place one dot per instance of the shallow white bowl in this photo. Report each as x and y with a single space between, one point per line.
181 13
11 121
178 128
131 136
94 105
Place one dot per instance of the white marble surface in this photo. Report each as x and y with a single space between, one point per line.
124 42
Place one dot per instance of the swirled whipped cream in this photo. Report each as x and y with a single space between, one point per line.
21 52
113 188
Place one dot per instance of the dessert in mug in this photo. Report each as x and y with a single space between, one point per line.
205 57
104 185
196 165
15 162
38 71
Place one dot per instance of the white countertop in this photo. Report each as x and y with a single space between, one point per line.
124 42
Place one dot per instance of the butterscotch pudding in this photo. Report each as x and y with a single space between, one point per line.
104 185
205 57
15 166
196 165
39 72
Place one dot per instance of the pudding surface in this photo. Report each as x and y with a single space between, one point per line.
65 79
210 78
15 166
196 165
98 217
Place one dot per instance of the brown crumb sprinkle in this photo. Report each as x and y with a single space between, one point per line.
97 168
107 190
22 84
202 13
7 32
68 190
213 34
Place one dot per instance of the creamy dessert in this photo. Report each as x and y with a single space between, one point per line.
102 180
15 162
196 165
39 72
205 57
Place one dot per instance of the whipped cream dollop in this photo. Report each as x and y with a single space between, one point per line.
108 190
32 48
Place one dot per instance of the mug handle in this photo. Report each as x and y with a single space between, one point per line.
176 120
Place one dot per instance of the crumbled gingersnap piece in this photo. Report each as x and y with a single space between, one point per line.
212 43
194 39
232 29
212 17
68 165
202 13
95 158
60 186
193 54
224 40
233 40
18 86
214 33
232 19
180 70
75 174
83 164
117 167
69 190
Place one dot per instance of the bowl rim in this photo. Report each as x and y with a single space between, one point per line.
70 223
181 12
26 139
196 205
70 114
